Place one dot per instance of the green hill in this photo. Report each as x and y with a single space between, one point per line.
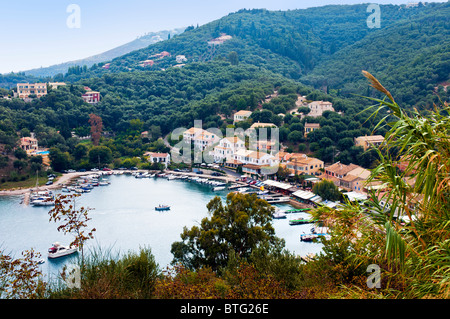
326 47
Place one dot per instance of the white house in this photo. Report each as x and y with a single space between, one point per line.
256 158
163 158
241 115
200 137
318 107
227 147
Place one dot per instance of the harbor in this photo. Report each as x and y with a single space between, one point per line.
124 214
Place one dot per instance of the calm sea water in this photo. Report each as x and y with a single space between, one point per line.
125 220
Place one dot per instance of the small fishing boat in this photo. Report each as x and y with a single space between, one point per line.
57 250
162 207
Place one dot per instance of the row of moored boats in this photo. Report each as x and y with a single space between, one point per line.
315 232
83 184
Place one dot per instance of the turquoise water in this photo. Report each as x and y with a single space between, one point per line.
125 219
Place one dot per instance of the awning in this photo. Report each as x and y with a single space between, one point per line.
284 186
316 199
352 196
304 194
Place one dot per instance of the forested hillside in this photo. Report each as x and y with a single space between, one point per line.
325 48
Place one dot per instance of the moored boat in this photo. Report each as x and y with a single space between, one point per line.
300 221
279 215
57 250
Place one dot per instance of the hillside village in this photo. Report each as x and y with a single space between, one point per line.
247 154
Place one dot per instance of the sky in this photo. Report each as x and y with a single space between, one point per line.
42 33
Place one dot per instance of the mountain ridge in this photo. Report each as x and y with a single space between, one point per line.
137 44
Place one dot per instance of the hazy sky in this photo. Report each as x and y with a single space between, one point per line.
36 33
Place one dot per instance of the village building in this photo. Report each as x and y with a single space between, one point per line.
200 137
311 127
29 144
350 177
163 158
301 164
255 158
318 107
24 90
241 115
369 141
262 125
91 97
226 149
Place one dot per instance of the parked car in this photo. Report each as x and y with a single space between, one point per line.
49 183
70 171
106 169
199 172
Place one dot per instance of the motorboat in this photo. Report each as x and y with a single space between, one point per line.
314 236
218 188
300 221
57 250
279 215
162 207
42 199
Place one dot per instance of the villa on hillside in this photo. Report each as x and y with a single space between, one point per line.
241 115
369 141
318 107
91 97
310 127
29 144
24 90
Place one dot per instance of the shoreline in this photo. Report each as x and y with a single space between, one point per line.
62 180
67 177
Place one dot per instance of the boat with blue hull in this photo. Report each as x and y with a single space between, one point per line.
162 207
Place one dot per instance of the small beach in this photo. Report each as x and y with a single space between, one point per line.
60 181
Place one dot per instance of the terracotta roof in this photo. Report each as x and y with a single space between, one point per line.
341 169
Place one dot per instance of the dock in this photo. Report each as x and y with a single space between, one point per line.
26 199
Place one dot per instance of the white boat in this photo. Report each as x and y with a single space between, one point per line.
43 202
279 215
58 250
218 188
